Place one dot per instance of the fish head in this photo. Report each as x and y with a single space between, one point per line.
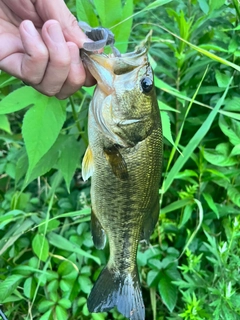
126 99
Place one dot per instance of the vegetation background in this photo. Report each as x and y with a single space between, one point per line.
190 270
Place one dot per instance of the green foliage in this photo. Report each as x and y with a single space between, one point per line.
190 271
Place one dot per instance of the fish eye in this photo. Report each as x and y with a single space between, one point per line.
146 84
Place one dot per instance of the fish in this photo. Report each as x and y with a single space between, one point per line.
124 160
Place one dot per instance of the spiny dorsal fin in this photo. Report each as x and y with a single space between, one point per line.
87 164
117 162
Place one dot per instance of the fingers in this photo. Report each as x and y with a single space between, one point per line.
23 9
58 10
61 72
47 62
76 76
59 59
24 57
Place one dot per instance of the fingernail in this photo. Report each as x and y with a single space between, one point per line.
29 27
55 32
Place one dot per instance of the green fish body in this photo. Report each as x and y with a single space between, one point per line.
124 160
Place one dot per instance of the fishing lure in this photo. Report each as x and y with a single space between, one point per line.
101 36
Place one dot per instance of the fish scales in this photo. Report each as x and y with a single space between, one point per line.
124 160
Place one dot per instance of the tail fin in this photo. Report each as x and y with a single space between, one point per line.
120 290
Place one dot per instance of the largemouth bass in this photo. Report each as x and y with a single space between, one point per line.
124 160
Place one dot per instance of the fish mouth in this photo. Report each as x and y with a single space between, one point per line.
104 67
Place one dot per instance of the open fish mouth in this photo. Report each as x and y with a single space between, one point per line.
105 67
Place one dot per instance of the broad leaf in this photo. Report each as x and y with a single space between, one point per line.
85 12
9 285
64 244
29 287
40 246
234 195
19 99
4 123
41 127
69 160
220 156
168 291
231 128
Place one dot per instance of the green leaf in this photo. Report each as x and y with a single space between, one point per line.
203 6
152 278
123 32
220 156
168 291
61 313
232 104
193 143
156 4
186 215
164 107
200 220
176 205
47 315
166 124
41 127
40 246
211 203
45 164
9 285
85 284
65 303
10 237
231 128
19 99
29 287
64 244
222 79
235 151
234 194
85 12
69 160
214 5
4 124
110 12
45 305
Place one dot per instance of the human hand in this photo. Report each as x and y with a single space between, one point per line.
39 44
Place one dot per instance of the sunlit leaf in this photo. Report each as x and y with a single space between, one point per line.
40 246
19 99
41 126
4 124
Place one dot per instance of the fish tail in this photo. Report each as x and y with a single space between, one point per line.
117 289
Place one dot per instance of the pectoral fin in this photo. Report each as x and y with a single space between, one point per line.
87 164
98 234
117 162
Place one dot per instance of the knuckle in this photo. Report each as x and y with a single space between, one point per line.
60 61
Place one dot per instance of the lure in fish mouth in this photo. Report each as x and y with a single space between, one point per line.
124 160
